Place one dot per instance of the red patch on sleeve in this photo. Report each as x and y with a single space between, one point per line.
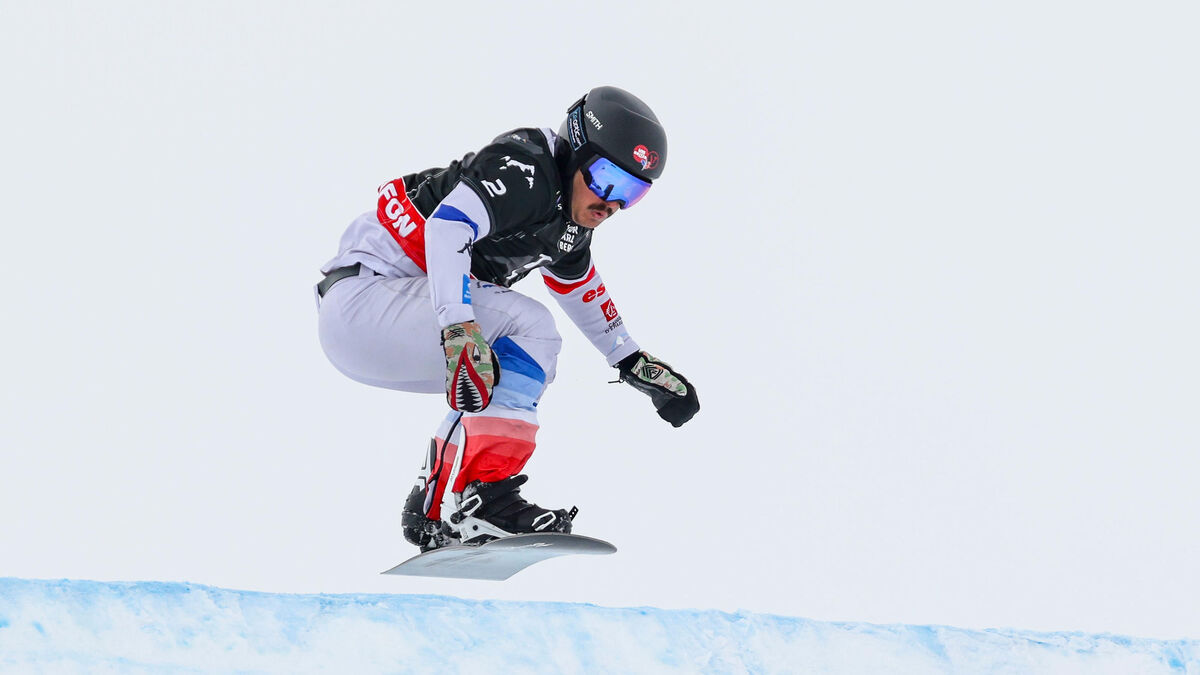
400 217
563 289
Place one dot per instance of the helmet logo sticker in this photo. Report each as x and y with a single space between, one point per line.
646 157
594 120
575 129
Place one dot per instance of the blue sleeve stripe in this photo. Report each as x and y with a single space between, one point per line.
447 212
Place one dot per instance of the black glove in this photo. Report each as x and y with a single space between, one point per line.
673 396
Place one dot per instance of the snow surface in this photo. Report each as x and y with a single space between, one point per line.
139 627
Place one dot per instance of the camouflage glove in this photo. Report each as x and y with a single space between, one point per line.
471 367
673 396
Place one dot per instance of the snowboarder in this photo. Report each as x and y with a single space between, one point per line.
435 261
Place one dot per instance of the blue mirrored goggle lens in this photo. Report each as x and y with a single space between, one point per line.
612 183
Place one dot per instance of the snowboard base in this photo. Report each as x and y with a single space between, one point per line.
499 559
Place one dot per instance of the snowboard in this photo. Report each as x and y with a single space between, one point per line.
499 559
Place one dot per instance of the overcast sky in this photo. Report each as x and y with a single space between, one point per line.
931 266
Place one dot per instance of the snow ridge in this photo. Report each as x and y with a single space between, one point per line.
151 627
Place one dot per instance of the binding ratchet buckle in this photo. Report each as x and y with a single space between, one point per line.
469 506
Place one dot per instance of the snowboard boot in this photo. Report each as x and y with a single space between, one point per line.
489 511
421 530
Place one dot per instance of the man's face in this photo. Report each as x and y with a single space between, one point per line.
586 208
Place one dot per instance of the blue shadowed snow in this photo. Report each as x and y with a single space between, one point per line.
86 626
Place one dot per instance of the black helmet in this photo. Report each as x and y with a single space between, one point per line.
618 126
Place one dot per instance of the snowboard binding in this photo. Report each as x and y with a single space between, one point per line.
421 530
489 511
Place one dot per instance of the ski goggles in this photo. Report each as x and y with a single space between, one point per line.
614 184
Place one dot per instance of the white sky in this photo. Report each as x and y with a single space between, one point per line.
932 267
